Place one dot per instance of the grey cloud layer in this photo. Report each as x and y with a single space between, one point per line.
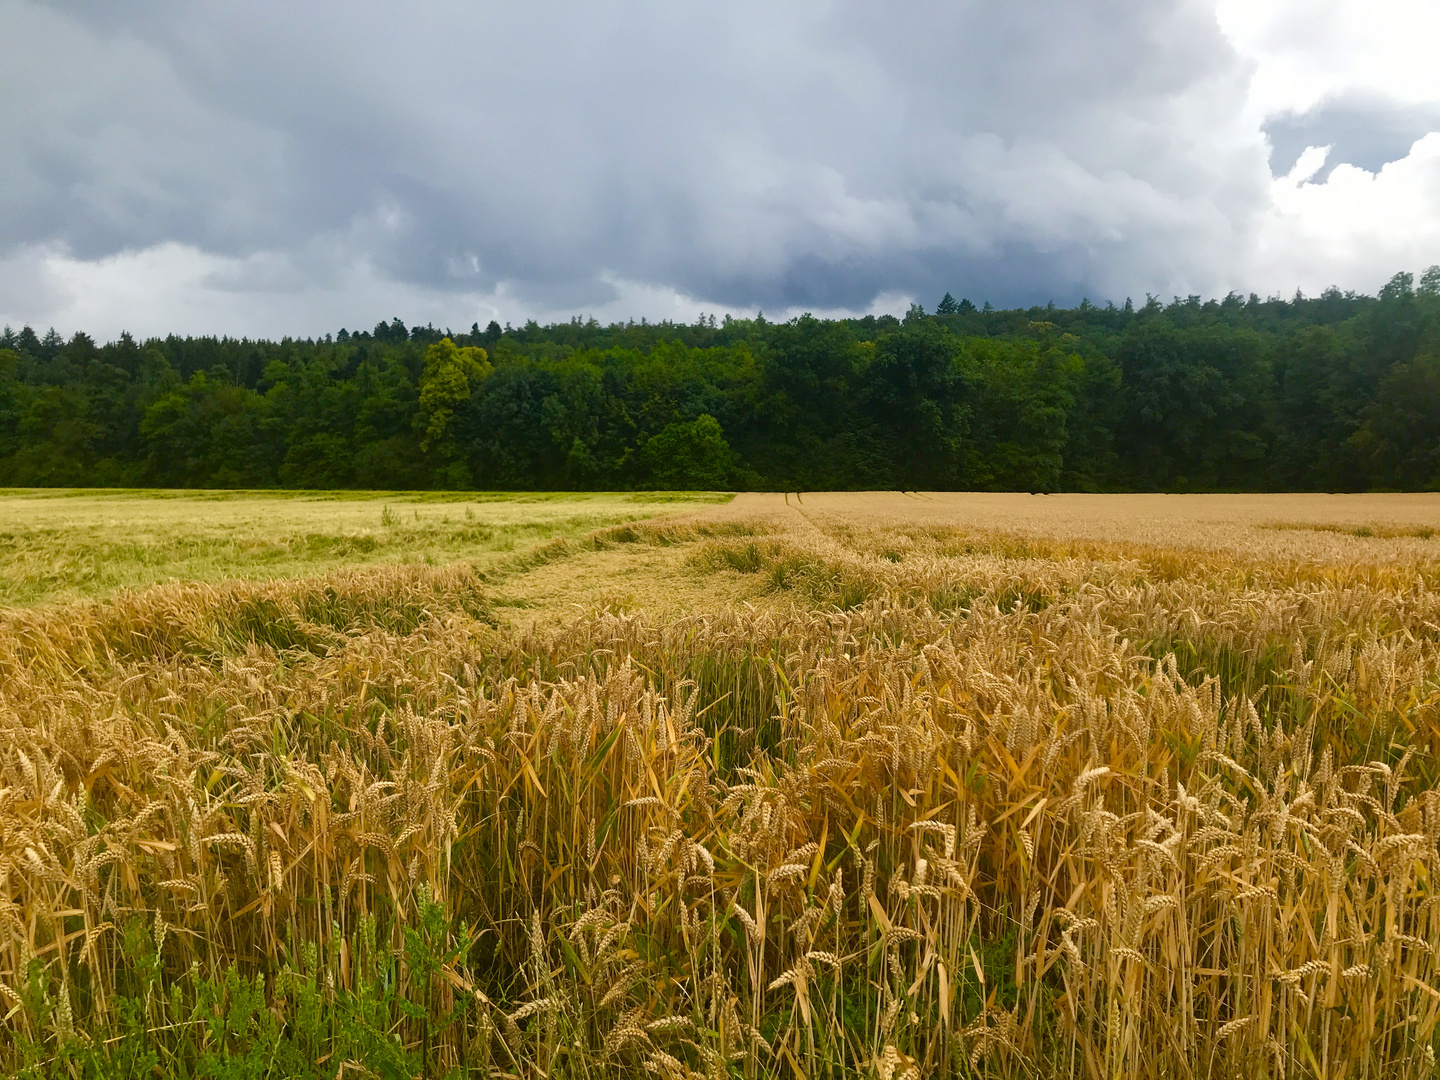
1359 130
747 154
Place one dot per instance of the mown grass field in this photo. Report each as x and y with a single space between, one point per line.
65 544
826 785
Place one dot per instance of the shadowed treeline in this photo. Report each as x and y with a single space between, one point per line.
1340 392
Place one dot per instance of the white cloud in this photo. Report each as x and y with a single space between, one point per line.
1366 73
174 287
178 288
1306 51
1357 228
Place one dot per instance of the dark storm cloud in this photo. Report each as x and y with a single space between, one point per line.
749 155
1360 130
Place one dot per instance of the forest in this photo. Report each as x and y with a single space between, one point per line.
1339 392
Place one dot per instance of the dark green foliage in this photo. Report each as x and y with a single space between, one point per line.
211 433
689 455
921 403
1399 440
1339 392
1196 402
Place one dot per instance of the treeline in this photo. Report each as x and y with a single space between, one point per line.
1339 392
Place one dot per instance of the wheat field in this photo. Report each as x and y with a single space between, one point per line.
886 785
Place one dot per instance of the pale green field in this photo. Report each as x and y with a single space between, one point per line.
62 544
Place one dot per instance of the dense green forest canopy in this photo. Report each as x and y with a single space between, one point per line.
1336 392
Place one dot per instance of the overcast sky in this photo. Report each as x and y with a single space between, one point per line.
290 168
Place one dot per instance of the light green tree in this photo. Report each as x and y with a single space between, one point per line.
450 375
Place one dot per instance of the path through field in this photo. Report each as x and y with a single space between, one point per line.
1343 532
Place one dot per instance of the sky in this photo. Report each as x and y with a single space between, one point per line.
285 168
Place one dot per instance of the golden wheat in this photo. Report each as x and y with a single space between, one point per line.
953 801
